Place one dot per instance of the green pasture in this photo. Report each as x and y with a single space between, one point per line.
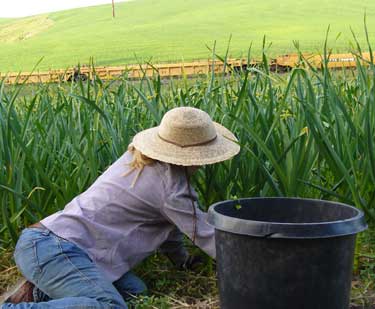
164 30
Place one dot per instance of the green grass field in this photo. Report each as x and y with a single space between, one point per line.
177 30
163 30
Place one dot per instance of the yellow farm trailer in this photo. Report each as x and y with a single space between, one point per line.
281 63
132 71
336 61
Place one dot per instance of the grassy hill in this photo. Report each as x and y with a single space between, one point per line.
164 30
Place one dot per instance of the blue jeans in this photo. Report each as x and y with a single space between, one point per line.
67 275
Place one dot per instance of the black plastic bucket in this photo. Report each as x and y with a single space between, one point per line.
288 253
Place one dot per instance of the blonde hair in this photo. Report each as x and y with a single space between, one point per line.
138 163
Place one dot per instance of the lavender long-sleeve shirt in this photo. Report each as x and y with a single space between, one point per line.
119 225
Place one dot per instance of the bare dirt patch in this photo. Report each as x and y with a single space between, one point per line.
24 29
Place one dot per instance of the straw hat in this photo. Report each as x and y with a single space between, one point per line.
187 136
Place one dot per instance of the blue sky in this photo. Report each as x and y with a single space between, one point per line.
22 8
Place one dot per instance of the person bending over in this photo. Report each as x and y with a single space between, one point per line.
82 256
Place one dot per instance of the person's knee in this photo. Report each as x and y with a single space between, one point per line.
129 285
135 285
138 287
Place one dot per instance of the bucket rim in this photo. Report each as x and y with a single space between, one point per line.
326 229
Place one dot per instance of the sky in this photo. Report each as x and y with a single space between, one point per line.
22 8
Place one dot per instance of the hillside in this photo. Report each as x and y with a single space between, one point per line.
164 30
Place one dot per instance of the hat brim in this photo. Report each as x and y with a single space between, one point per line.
224 147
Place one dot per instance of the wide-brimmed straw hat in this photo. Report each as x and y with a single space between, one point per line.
187 136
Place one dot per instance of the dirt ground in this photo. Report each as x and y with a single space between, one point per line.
170 288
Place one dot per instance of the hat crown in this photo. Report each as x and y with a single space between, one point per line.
187 126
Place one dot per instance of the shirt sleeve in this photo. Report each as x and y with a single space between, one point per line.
178 209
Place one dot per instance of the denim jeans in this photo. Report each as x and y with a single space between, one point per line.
67 275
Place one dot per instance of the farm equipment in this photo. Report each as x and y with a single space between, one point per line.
336 61
279 64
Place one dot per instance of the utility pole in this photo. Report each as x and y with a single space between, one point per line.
113 8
